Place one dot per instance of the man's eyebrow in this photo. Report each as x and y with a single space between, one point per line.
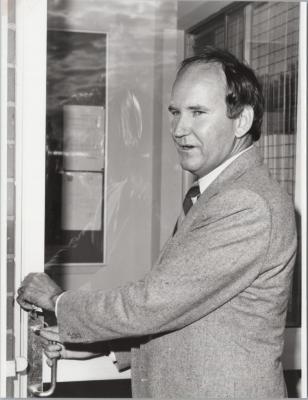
191 108
198 107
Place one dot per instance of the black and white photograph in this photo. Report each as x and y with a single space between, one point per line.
153 199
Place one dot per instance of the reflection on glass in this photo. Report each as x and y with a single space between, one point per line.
75 158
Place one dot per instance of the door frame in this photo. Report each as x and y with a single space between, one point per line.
301 188
3 193
30 156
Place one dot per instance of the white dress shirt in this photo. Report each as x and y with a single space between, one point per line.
206 180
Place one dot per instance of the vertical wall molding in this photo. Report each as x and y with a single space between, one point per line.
247 32
301 187
3 192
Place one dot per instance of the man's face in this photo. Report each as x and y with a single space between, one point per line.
202 132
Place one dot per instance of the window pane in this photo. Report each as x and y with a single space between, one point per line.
110 68
210 34
235 33
274 52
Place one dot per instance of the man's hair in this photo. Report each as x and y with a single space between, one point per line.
243 88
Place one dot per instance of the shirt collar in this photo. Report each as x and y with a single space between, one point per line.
206 180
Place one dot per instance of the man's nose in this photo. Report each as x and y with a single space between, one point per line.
181 128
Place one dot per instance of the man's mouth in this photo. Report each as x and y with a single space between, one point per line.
185 146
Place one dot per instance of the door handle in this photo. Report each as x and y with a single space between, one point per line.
35 389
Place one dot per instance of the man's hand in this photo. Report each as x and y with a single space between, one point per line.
39 290
57 350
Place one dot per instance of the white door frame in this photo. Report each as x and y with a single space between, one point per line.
3 193
31 33
301 187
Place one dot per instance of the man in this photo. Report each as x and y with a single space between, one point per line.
208 319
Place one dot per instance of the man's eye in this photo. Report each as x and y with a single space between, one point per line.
174 112
197 113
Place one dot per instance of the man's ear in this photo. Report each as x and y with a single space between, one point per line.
244 122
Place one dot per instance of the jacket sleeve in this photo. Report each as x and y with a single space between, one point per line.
220 256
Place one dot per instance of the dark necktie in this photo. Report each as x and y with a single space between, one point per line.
194 191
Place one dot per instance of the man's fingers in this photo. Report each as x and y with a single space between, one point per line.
52 348
28 287
51 334
44 341
30 277
21 290
40 290
23 303
52 354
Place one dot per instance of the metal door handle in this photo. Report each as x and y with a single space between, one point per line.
34 389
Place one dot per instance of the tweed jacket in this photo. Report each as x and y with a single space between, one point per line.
208 319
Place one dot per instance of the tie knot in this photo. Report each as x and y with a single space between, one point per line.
194 191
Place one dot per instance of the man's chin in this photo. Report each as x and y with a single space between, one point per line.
189 167
197 170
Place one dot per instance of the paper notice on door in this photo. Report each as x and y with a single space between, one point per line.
83 138
82 201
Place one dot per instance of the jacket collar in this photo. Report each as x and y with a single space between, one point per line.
249 159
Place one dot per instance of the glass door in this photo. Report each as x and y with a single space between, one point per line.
95 159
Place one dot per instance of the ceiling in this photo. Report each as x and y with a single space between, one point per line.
190 12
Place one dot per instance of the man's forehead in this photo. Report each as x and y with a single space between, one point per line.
201 75
206 69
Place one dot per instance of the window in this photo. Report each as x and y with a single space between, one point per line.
274 57
273 54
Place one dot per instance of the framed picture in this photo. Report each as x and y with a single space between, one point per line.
75 147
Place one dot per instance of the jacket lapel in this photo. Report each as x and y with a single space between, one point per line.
250 159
